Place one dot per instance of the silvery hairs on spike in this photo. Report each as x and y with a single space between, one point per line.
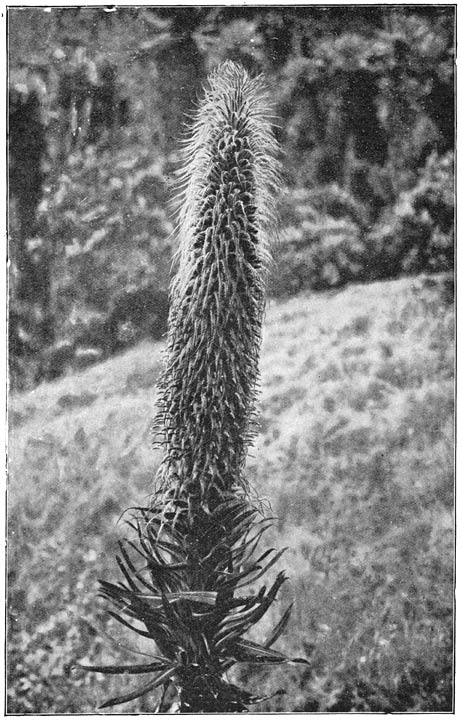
226 221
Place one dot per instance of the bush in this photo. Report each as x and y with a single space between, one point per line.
417 234
111 254
328 241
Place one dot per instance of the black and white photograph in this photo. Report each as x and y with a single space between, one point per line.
230 385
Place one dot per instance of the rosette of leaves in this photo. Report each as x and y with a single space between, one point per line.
189 574
184 587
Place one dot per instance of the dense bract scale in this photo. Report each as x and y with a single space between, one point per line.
225 222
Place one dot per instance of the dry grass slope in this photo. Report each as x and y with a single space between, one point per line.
355 456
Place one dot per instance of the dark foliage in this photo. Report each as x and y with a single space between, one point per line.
30 324
198 633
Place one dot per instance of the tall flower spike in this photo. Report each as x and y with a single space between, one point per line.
196 544
226 220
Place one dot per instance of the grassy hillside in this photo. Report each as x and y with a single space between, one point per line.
355 457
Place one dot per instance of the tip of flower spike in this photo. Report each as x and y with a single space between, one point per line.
232 99
230 71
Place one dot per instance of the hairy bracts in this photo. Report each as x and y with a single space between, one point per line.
225 224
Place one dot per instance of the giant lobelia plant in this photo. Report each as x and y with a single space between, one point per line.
189 573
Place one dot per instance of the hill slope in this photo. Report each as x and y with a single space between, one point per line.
355 456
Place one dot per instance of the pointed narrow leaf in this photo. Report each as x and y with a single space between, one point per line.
127 575
125 669
140 691
205 597
263 570
248 651
122 621
175 624
255 699
133 569
279 628
100 631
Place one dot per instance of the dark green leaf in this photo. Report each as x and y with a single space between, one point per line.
279 628
125 669
248 651
163 677
122 621
116 643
